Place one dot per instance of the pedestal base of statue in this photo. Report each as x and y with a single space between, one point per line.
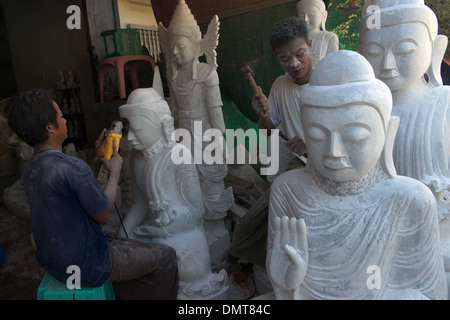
196 280
218 238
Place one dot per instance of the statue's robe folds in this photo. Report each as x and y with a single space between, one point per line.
422 147
392 225
323 43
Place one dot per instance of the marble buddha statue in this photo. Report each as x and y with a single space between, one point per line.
195 99
347 226
406 52
167 201
402 51
314 13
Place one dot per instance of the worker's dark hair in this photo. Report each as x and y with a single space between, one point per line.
29 112
286 30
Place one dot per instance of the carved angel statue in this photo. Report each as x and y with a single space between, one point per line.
195 97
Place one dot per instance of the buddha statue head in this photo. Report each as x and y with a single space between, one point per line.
150 121
399 38
346 118
313 12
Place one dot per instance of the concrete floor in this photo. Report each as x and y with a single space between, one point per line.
21 277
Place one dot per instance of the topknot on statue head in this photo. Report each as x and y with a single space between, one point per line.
344 78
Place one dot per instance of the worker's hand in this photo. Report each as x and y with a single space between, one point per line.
260 104
114 165
296 145
99 146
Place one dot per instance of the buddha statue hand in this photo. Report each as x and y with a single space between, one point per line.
288 259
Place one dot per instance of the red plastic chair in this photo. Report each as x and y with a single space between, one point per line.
130 63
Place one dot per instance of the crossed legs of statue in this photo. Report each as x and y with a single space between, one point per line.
143 270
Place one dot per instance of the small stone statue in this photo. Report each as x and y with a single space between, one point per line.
61 85
167 200
314 13
406 52
195 98
71 80
346 226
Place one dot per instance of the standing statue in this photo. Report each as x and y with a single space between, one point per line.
346 226
406 52
195 99
314 13
167 202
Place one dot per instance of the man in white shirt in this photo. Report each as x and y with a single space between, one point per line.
289 40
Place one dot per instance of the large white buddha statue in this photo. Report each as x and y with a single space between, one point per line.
406 52
404 49
167 201
346 226
195 100
314 13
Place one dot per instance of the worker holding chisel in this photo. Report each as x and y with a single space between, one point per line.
289 40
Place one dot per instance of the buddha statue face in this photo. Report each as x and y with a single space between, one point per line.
313 13
344 143
399 54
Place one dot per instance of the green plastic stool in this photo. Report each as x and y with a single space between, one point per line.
52 289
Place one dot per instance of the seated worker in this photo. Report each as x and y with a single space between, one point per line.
289 40
68 208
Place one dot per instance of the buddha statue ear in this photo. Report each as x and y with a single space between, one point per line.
434 71
324 19
386 157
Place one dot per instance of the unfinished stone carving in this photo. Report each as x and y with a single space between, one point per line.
314 13
195 98
406 52
167 201
346 226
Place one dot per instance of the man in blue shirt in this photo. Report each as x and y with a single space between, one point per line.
68 208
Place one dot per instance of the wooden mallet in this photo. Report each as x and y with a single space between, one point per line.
247 71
